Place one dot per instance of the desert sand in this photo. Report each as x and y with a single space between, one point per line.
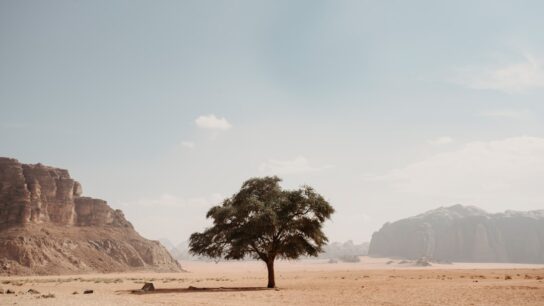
373 281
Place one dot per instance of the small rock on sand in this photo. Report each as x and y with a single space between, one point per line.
148 287
88 291
48 296
33 291
423 262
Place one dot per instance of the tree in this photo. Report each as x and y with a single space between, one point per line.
264 222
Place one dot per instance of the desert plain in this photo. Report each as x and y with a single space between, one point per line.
373 281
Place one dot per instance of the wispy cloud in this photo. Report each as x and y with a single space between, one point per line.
515 77
298 165
188 144
441 140
508 114
509 168
212 122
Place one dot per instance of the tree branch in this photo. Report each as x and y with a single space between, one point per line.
256 250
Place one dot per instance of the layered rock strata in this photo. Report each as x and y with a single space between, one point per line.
47 227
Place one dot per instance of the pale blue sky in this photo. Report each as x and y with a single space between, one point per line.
388 108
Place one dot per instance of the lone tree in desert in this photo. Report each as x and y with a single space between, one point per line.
264 222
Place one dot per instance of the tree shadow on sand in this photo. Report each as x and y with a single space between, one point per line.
191 289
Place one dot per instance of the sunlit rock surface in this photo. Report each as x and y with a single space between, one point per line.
47 227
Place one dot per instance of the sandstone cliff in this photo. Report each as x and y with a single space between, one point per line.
47 227
464 234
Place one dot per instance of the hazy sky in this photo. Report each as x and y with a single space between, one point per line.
387 108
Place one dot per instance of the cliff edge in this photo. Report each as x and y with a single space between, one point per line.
48 227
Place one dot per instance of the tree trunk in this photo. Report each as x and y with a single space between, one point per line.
271 279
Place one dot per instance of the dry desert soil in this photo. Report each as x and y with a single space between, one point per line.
373 281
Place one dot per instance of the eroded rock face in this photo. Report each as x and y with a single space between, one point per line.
14 195
96 212
47 227
51 194
464 234
38 194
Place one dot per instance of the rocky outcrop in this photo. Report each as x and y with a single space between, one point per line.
95 212
47 227
464 234
42 194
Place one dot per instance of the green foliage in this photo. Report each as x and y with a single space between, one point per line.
264 222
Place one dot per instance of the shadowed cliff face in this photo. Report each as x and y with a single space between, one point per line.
47 227
464 234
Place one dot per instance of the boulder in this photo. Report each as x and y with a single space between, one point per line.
148 287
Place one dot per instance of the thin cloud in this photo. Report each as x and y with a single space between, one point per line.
441 140
188 144
516 77
298 165
508 114
510 169
211 122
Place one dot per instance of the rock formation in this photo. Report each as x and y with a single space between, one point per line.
464 234
47 227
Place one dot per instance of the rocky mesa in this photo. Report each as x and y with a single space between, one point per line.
464 234
48 227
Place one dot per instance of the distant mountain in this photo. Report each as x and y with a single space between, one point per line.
464 234
347 251
181 252
166 243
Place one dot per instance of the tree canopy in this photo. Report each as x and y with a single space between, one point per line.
265 222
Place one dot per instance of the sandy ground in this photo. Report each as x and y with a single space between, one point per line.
306 282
